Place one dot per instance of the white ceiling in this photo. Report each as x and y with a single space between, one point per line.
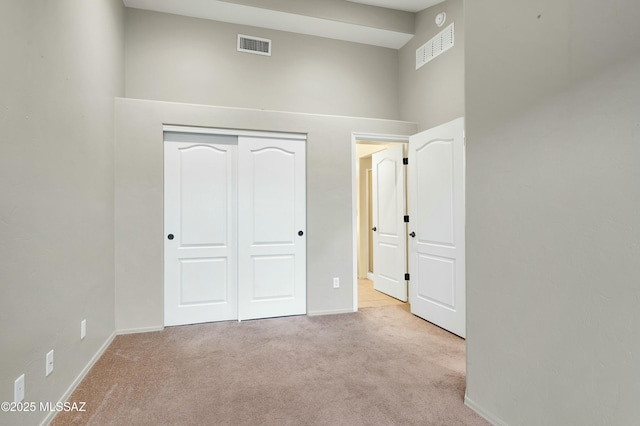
406 5
265 18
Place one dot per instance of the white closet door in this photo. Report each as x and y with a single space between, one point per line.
200 228
272 235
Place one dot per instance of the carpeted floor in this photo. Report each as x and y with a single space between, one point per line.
381 366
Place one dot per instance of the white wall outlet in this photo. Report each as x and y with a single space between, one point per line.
49 365
83 329
18 389
336 282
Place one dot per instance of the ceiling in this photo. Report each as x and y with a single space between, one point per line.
406 5
236 13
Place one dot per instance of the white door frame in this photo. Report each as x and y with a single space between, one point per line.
355 138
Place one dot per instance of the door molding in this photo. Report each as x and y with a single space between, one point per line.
373 138
233 132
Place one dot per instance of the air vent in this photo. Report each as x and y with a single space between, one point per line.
436 46
259 46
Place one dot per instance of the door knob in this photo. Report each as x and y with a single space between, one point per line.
170 236
374 229
300 233
413 234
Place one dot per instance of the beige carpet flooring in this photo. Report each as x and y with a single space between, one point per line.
380 366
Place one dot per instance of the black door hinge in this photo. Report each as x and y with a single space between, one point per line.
405 161
406 277
406 219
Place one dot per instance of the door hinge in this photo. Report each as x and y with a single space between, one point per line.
406 277
405 161
406 219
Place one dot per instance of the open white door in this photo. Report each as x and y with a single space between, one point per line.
390 233
272 238
200 228
437 227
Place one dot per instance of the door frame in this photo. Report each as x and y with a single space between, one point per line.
302 137
357 137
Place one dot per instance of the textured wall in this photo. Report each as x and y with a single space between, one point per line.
553 203
179 59
62 66
139 199
434 94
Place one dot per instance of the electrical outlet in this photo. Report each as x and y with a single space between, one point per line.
18 389
336 282
49 365
83 329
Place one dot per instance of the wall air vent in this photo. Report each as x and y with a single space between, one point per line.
436 46
259 46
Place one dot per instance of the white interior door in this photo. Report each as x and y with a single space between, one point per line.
272 235
200 228
436 207
389 228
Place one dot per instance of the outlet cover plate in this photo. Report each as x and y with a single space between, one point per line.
49 365
18 389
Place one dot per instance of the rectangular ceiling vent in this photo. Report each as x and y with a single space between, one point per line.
436 46
256 45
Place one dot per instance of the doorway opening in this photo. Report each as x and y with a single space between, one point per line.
372 165
418 221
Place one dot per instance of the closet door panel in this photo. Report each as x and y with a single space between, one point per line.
271 238
200 228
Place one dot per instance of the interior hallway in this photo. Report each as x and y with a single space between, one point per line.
370 298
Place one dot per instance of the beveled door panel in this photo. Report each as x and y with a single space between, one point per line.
200 228
436 208
272 245
389 229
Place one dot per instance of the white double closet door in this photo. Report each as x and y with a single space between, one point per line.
235 219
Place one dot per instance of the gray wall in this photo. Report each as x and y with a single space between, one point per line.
553 203
62 66
180 59
341 11
139 200
434 94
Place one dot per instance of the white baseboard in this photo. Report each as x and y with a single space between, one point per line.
370 276
80 377
494 420
139 330
337 311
